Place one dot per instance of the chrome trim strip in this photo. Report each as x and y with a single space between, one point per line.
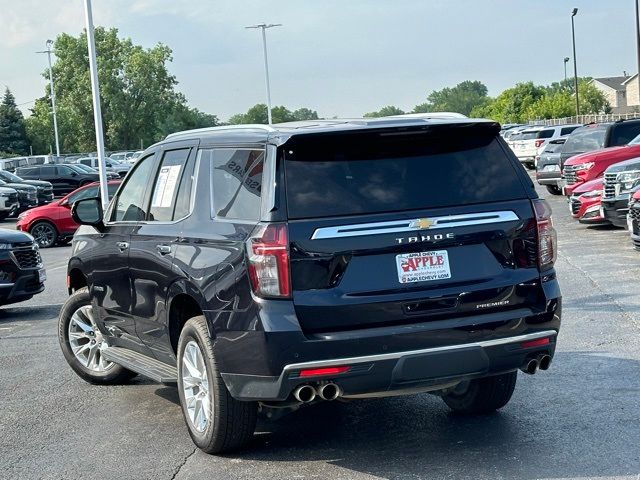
269 181
448 221
396 355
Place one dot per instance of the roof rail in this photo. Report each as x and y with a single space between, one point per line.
249 126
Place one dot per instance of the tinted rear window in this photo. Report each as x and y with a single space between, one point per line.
545 134
623 133
585 139
528 135
370 173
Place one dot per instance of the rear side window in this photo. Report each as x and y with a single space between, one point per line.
163 198
529 135
623 133
86 161
47 170
374 173
585 139
567 130
236 182
545 133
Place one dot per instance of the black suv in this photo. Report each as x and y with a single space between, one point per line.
312 261
44 189
63 178
21 271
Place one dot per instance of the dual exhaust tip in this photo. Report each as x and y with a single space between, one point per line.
531 365
307 393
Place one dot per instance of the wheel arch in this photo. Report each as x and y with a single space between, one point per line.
184 301
76 278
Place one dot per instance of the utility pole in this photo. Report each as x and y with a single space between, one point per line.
49 44
638 37
97 111
263 27
575 63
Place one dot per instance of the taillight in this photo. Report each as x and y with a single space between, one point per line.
539 143
547 239
268 250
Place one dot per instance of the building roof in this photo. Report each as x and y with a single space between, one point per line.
617 83
630 78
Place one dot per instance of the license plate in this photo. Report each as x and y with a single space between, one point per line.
423 266
551 168
601 212
42 275
630 224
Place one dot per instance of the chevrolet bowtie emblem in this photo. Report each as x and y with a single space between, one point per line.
421 223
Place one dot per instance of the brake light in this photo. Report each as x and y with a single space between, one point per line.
539 143
315 372
268 250
547 238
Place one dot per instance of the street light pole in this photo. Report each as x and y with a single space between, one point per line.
566 59
575 63
263 27
97 111
53 96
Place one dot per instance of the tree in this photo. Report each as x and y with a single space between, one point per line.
13 135
387 111
280 114
138 97
511 104
462 98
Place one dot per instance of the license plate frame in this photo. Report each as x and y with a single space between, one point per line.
427 266
42 275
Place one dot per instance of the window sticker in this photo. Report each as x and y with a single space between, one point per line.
166 186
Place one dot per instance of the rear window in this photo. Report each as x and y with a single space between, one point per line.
568 130
373 173
585 139
545 133
623 133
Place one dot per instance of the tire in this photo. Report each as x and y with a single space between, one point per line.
483 395
76 309
553 190
44 233
221 423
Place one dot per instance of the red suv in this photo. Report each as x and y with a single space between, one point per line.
52 223
591 149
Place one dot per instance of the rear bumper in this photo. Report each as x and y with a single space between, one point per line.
264 362
386 373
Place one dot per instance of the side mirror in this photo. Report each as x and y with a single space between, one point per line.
88 212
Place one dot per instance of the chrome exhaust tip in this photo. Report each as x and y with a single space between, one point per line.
329 391
544 362
305 393
530 366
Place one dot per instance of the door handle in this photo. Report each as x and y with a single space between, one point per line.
163 249
122 246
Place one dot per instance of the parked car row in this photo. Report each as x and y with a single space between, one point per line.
529 142
598 169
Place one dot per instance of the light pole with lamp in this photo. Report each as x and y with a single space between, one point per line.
566 60
263 27
575 63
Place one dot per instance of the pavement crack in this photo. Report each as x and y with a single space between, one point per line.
182 464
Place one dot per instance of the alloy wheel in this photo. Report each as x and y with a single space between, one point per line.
44 235
195 385
86 340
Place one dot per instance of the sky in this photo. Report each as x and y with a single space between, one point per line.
339 57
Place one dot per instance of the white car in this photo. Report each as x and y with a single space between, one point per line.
111 164
531 142
8 202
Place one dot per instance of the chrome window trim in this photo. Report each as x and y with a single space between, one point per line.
269 181
399 226
397 355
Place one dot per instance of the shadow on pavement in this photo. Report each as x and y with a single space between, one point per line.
10 313
580 419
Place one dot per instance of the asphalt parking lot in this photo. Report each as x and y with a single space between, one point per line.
580 419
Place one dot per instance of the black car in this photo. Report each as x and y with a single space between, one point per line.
63 178
620 181
548 171
282 265
44 189
21 271
27 194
